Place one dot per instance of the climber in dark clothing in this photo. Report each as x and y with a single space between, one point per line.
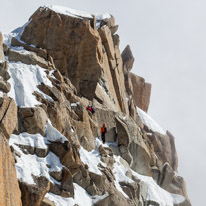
103 132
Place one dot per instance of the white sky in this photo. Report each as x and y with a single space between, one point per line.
168 40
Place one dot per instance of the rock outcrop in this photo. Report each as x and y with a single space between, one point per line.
81 64
10 194
79 50
8 116
1 48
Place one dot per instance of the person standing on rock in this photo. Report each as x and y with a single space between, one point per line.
103 132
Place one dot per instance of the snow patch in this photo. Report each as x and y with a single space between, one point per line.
69 12
92 159
100 17
28 165
75 104
32 140
24 80
53 135
157 194
149 122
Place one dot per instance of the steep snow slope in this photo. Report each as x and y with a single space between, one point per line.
149 122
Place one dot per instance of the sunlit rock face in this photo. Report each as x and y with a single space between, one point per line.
60 65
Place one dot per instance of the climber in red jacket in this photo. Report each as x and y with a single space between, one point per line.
103 132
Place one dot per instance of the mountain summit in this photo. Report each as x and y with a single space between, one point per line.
64 87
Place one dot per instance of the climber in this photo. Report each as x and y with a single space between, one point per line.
91 109
103 132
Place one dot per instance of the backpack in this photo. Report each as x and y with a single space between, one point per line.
102 130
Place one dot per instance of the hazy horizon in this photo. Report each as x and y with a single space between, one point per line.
168 41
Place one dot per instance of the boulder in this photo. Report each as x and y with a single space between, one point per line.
67 153
132 146
32 120
4 86
33 195
8 116
82 178
67 182
132 190
102 182
10 193
141 91
47 202
116 40
116 199
4 70
1 48
56 175
128 59
39 51
27 58
39 152
110 22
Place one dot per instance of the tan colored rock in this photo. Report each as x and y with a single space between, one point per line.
39 51
164 148
1 48
110 22
107 40
116 40
4 70
141 92
118 81
72 42
76 48
128 59
67 182
174 156
8 116
33 195
116 199
47 202
132 146
59 111
32 120
10 194
27 58
83 129
4 86
132 190
82 178
171 182
103 116
33 150
67 154
56 175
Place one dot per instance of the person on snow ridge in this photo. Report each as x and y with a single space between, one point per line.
103 132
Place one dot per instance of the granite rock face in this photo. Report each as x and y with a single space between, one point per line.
79 50
1 48
10 194
81 58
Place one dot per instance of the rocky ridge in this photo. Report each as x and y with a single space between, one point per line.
51 69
